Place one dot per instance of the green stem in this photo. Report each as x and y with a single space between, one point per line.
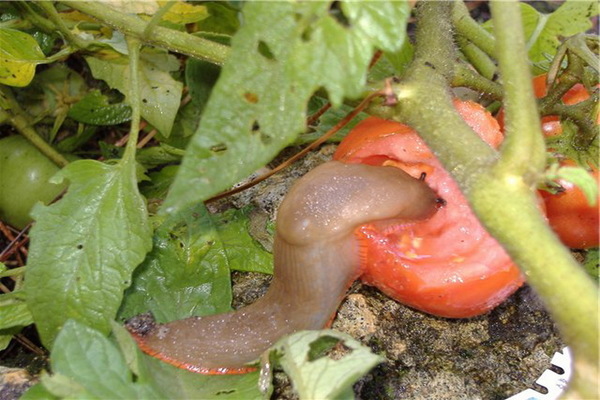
48 7
500 190
466 77
425 102
467 27
523 151
20 120
158 17
132 25
133 45
477 57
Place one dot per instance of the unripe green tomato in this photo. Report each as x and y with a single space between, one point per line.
24 175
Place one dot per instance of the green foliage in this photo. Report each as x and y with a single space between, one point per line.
280 56
285 61
319 374
85 247
160 93
187 273
95 109
19 54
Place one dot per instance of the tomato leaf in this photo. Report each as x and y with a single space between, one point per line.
160 93
185 274
85 247
544 31
314 373
94 365
19 54
95 109
258 105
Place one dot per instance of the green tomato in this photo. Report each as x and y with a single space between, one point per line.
24 175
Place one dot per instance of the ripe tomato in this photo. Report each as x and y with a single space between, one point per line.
447 265
24 175
570 215
573 219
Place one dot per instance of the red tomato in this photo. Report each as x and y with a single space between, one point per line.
570 215
447 265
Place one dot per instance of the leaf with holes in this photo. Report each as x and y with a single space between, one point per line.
282 54
85 247
324 364
160 93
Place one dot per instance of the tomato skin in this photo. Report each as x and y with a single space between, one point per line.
447 265
574 220
24 175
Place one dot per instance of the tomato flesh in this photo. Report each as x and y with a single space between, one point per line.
447 265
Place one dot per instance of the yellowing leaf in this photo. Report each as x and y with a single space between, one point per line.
184 13
19 54
132 7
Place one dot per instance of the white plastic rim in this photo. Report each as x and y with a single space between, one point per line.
554 382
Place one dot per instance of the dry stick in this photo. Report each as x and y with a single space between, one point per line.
301 153
19 337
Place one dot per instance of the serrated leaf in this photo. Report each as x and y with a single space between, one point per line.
95 109
544 35
283 52
19 54
185 274
85 247
159 92
86 357
318 376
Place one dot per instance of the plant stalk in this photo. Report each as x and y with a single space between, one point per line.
131 25
501 190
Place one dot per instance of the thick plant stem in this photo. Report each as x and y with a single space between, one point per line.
568 293
501 189
131 25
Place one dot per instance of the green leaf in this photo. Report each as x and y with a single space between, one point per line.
85 247
95 109
185 274
282 54
87 358
544 31
182 13
19 54
315 374
160 93
14 313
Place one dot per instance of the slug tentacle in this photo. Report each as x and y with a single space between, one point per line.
316 257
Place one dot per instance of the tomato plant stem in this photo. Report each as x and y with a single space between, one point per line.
467 27
523 150
179 42
501 190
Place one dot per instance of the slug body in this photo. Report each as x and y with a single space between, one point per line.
316 258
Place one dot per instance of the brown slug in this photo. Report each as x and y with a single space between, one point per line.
316 258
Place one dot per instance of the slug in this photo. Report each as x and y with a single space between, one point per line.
317 257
